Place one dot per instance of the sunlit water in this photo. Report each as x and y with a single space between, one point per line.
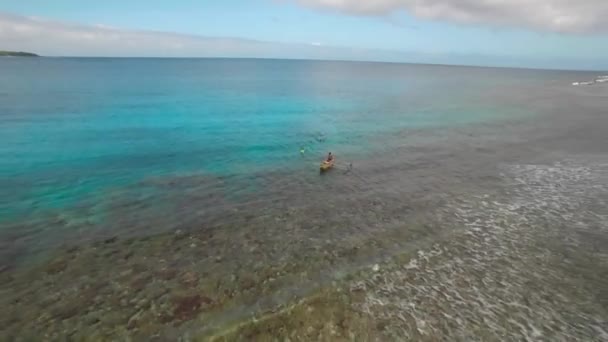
182 196
72 128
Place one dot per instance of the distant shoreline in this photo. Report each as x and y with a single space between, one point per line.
17 54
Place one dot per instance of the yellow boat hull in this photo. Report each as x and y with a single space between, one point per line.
326 166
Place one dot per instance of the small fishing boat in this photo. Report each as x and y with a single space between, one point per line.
326 165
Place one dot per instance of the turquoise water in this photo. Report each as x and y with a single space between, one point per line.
73 129
169 198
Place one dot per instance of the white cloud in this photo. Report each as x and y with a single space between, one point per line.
54 38
572 16
58 38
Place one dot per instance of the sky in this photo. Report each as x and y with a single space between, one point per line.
562 34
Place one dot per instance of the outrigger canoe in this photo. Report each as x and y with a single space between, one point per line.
326 165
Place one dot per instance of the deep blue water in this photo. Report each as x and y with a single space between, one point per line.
71 128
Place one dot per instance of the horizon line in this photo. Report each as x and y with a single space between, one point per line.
325 60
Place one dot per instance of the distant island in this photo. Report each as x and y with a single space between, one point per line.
17 54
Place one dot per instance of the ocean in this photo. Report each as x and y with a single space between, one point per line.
182 198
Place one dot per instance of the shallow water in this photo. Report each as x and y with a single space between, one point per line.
74 127
169 198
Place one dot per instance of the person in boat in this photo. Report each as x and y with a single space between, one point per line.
330 158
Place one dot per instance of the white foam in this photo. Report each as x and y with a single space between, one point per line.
598 79
481 278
